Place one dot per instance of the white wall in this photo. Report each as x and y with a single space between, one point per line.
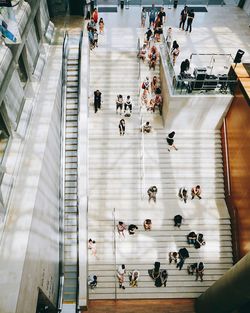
194 112
29 250
14 98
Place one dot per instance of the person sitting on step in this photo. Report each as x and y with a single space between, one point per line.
152 191
147 224
121 227
92 281
133 278
191 237
199 241
131 229
177 220
173 257
183 195
196 191
146 128
143 52
191 269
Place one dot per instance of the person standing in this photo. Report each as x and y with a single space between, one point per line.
122 127
162 16
183 17
190 19
97 100
95 15
119 104
175 51
143 17
101 26
152 191
169 38
128 104
121 271
92 246
170 141
200 271
152 15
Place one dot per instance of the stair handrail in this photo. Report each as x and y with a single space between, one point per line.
233 212
114 249
83 199
78 92
142 159
62 171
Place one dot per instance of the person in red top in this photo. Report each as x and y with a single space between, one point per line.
95 15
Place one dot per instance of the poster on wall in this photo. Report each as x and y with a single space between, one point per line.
8 26
5 3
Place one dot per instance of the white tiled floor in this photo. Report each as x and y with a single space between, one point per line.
220 30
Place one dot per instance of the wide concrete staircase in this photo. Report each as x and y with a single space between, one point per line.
122 168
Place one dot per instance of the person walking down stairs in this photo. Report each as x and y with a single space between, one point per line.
170 141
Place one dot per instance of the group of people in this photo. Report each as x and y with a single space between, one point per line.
196 240
186 15
152 90
195 192
121 274
92 29
122 227
156 20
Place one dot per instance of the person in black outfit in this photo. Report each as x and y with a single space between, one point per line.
148 33
183 254
121 127
97 100
185 65
190 19
183 18
170 141
131 229
177 220
162 16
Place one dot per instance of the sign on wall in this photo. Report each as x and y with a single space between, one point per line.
5 3
8 26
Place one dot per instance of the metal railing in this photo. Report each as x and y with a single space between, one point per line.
114 250
187 83
142 158
79 93
65 51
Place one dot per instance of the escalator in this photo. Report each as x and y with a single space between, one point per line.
69 248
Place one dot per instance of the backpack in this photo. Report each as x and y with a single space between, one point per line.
143 86
197 245
158 282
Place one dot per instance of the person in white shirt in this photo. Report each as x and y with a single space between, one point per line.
121 271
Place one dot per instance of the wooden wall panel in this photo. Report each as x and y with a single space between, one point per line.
142 306
238 139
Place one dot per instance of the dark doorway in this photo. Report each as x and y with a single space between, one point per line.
44 305
76 7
